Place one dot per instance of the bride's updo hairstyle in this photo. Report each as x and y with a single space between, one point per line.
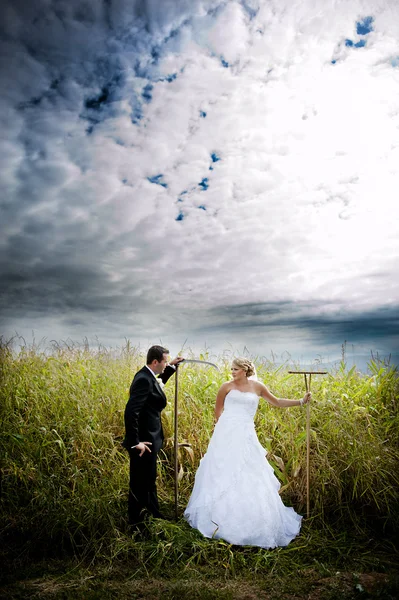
245 364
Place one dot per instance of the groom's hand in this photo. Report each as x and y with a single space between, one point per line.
143 447
176 361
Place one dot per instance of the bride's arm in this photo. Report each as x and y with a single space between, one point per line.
221 395
281 402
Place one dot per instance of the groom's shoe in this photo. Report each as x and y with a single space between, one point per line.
139 529
156 514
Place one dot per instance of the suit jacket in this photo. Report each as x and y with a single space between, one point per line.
143 409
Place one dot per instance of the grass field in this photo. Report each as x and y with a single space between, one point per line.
64 481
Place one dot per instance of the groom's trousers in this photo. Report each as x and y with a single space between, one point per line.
142 486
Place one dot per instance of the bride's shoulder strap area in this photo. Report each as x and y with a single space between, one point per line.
225 388
258 386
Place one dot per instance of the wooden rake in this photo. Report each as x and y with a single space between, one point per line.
176 422
307 387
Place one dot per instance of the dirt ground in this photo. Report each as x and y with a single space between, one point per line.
309 585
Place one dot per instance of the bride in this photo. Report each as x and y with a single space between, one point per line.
235 495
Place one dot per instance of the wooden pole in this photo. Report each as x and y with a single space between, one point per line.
176 425
176 443
310 373
308 447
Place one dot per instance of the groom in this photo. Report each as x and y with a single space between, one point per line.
144 435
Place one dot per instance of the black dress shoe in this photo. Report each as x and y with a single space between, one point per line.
139 529
159 515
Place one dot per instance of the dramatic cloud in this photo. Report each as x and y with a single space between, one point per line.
224 172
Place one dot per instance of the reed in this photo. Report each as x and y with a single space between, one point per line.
64 472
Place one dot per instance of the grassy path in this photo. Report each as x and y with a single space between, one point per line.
309 584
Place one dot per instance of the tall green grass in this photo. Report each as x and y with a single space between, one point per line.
65 474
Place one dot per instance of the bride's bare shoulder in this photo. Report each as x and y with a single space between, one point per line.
258 387
227 386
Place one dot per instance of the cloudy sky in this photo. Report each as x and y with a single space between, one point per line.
220 173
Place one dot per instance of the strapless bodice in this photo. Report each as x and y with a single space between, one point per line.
240 404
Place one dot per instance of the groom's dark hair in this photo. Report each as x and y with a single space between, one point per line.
156 353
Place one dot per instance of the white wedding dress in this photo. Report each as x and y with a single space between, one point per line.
235 495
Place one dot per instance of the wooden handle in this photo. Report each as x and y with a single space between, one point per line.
308 372
308 447
176 443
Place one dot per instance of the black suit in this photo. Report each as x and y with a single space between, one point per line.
143 424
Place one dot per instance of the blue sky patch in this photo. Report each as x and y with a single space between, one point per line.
359 44
202 114
110 91
364 27
136 116
180 198
204 184
146 93
158 180
155 53
99 106
215 158
225 64
136 104
168 78
96 102
180 216
202 207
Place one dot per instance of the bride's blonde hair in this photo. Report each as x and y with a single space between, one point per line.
245 364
